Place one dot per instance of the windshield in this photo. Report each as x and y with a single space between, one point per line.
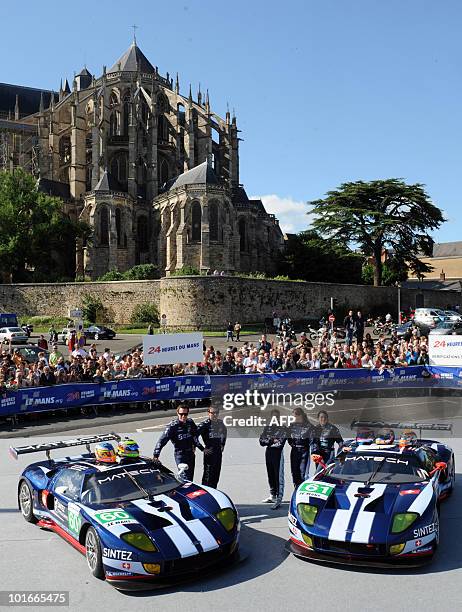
121 484
15 329
8 319
389 468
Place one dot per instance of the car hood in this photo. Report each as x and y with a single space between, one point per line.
351 511
181 522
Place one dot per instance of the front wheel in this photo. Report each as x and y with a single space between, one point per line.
25 502
93 553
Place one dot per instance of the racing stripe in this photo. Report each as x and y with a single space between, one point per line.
363 525
175 532
420 503
339 526
221 499
196 526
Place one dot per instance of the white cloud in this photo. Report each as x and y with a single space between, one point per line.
292 214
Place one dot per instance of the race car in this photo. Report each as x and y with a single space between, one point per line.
139 525
374 504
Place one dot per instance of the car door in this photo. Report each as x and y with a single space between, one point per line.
66 489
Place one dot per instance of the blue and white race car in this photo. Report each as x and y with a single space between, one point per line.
375 504
138 524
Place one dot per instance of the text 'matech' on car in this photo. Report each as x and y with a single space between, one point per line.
139 525
375 504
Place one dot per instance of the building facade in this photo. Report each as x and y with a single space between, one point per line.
155 173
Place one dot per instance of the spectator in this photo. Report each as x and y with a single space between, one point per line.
237 330
349 325
229 331
42 343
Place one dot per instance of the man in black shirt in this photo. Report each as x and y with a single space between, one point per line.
182 432
213 432
274 437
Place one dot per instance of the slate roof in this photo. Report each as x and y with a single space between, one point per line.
443 285
28 98
108 183
133 60
54 188
447 249
203 174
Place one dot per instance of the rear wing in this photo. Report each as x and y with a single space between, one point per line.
400 425
46 447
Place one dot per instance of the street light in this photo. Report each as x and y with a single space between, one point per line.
398 285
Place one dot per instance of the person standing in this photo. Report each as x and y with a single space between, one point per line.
182 432
150 329
324 437
273 438
359 327
213 433
299 439
237 330
349 325
229 331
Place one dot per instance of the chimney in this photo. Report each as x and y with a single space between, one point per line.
442 275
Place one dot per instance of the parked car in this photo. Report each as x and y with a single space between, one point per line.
14 334
429 316
447 328
453 315
100 332
30 352
64 335
405 329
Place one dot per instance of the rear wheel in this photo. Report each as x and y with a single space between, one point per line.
93 553
25 501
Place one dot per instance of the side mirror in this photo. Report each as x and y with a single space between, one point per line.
441 465
182 469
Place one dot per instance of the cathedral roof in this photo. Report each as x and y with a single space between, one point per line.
133 60
28 99
84 72
108 183
203 174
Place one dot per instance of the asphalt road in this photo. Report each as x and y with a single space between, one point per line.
269 579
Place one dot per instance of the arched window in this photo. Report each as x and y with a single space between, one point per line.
196 222
142 234
114 123
162 129
119 169
242 236
113 100
104 226
118 223
126 113
65 150
213 221
163 172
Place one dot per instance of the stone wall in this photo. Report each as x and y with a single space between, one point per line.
208 302
55 299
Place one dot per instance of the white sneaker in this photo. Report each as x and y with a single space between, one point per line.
276 504
269 500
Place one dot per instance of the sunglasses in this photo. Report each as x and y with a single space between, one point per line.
183 413
212 412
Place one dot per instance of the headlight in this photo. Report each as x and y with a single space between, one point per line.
403 521
227 518
307 513
308 541
139 540
152 568
397 548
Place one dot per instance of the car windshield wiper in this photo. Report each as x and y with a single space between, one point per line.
137 484
375 472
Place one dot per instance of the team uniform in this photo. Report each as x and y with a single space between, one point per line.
299 439
213 434
274 438
324 438
184 439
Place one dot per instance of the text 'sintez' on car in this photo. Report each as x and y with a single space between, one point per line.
376 503
138 524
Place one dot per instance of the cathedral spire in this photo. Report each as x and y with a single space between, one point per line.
190 94
207 102
199 95
177 84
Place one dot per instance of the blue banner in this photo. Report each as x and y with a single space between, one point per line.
36 399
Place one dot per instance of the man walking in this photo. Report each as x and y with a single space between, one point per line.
213 432
182 432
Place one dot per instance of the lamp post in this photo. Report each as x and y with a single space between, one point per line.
398 286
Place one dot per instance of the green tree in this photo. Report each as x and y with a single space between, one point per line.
378 215
309 257
33 225
392 272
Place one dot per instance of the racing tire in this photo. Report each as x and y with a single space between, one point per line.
93 553
25 502
96 336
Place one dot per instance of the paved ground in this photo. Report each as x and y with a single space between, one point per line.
268 580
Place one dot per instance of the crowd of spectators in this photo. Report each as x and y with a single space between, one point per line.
85 364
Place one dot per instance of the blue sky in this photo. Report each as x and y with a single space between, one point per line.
325 91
